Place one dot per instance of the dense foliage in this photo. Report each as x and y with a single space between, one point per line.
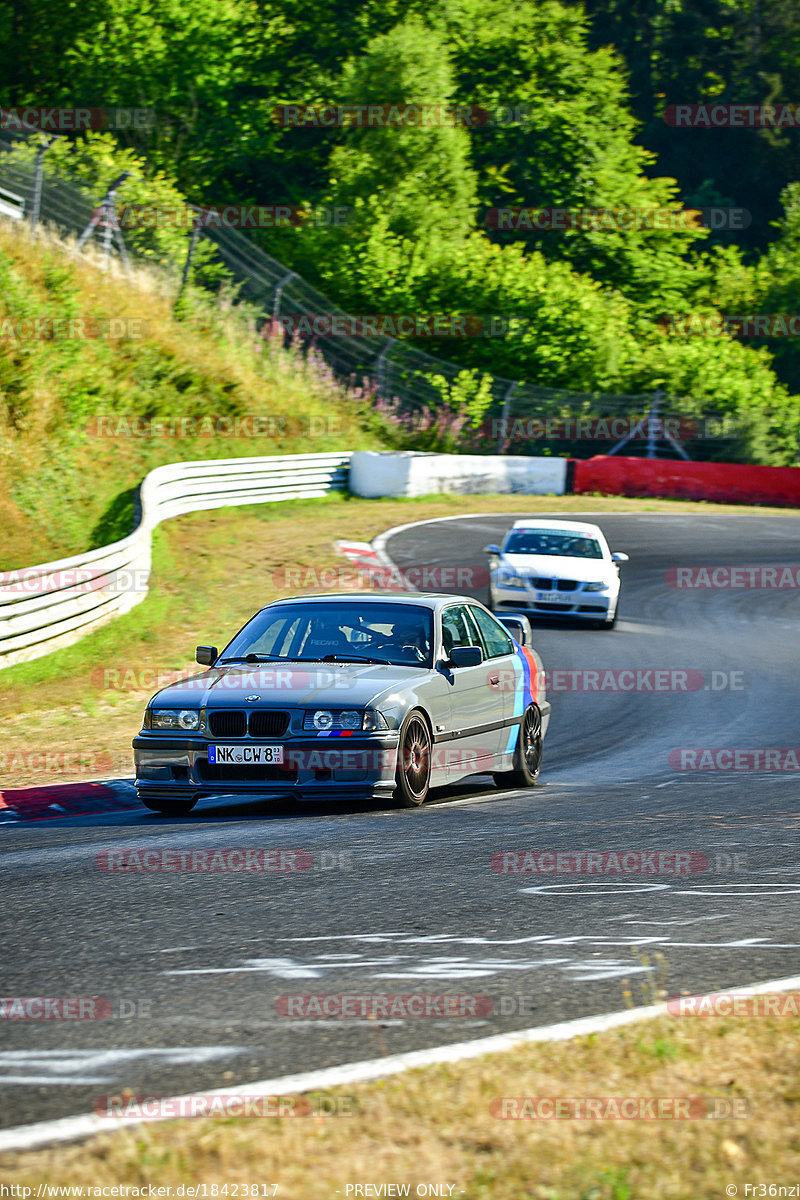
591 84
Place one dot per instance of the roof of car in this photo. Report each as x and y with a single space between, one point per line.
422 599
558 526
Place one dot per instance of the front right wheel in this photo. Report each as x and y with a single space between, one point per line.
528 754
413 774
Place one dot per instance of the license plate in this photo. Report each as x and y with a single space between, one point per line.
554 598
245 754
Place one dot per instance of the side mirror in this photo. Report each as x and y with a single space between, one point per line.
466 656
519 627
620 558
491 549
206 656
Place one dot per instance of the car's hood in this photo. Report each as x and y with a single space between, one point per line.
558 566
290 685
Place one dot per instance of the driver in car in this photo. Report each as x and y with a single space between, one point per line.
409 640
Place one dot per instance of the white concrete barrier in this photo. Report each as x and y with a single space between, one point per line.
414 473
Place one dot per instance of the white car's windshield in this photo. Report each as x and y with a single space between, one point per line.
340 631
546 541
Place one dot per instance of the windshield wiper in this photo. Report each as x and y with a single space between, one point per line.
249 658
353 658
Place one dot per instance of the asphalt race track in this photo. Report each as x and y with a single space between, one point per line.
400 901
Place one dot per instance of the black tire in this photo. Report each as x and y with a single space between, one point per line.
168 806
413 774
608 624
528 754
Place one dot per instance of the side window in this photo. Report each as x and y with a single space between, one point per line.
495 638
457 629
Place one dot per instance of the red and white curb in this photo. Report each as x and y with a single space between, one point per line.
88 798
70 1129
375 564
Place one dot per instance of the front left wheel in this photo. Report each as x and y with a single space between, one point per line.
413 774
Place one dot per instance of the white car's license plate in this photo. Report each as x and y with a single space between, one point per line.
245 754
555 598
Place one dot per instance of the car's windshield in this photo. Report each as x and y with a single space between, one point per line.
338 631
548 541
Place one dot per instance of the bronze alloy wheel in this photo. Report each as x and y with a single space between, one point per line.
414 761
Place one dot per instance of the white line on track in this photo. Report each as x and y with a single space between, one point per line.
72 1129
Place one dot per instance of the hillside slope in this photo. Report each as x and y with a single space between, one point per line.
101 380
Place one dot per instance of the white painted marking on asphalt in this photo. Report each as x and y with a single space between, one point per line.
76 1067
611 889
677 920
44 1133
730 891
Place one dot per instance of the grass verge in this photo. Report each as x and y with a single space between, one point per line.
436 1126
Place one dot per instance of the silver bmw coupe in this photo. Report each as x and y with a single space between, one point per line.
357 695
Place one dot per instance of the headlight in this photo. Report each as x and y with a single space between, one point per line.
324 719
509 579
595 587
173 718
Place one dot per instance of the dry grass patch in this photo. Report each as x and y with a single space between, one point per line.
435 1126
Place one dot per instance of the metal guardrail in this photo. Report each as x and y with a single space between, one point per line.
47 607
12 205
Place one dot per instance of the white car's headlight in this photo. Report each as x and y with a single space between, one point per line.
174 718
507 578
595 587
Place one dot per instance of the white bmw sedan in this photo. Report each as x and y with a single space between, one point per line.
556 569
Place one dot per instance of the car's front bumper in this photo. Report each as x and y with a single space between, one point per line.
313 768
587 606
